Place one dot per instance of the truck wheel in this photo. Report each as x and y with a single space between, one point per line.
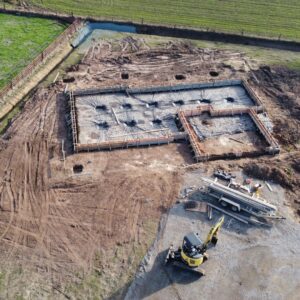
234 208
223 203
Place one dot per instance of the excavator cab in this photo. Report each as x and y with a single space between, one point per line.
191 241
191 252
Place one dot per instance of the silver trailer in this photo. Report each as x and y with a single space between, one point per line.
238 201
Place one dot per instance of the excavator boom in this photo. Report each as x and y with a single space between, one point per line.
214 232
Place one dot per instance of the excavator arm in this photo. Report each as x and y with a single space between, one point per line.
212 236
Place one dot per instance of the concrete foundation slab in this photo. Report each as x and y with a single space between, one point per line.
216 118
143 114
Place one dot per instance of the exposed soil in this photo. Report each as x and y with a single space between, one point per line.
55 222
67 231
283 170
240 142
241 266
104 63
280 89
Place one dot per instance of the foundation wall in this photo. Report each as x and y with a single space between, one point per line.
181 87
200 155
129 143
137 139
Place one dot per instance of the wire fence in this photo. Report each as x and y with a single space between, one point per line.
62 38
14 68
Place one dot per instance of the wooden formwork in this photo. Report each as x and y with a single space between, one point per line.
265 132
127 143
183 115
253 96
73 120
190 133
200 155
121 141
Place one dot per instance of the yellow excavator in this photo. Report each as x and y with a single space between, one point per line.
192 253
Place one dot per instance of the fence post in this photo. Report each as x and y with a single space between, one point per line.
29 69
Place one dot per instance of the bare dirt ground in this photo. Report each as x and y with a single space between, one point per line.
279 92
230 143
56 222
104 62
66 235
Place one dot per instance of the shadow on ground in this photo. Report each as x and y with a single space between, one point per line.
158 278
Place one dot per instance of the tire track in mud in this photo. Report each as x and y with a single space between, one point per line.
41 176
6 187
59 223
12 211
28 200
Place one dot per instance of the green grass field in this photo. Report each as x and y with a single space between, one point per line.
256 17
21 40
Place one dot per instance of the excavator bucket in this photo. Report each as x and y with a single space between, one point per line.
214 240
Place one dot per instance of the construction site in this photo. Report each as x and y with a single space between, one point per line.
132 142
122 118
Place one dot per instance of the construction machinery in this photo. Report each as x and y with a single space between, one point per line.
223 175
241 202
192 253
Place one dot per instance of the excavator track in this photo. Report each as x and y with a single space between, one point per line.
170 261
184 267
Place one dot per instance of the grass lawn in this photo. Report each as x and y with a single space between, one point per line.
21 40
257 17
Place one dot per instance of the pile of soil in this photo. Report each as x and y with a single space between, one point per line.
281 97
287 132
269 172
284 170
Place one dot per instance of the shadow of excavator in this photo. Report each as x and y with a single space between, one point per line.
158 278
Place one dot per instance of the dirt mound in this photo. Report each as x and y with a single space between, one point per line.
286 132
281 90
296 165
267 172
283 170
283 85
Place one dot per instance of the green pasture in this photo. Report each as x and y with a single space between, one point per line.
21 40
276 18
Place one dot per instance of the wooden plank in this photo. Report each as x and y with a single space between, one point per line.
269 186
228 213
115 116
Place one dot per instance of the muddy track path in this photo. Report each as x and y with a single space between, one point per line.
53 225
